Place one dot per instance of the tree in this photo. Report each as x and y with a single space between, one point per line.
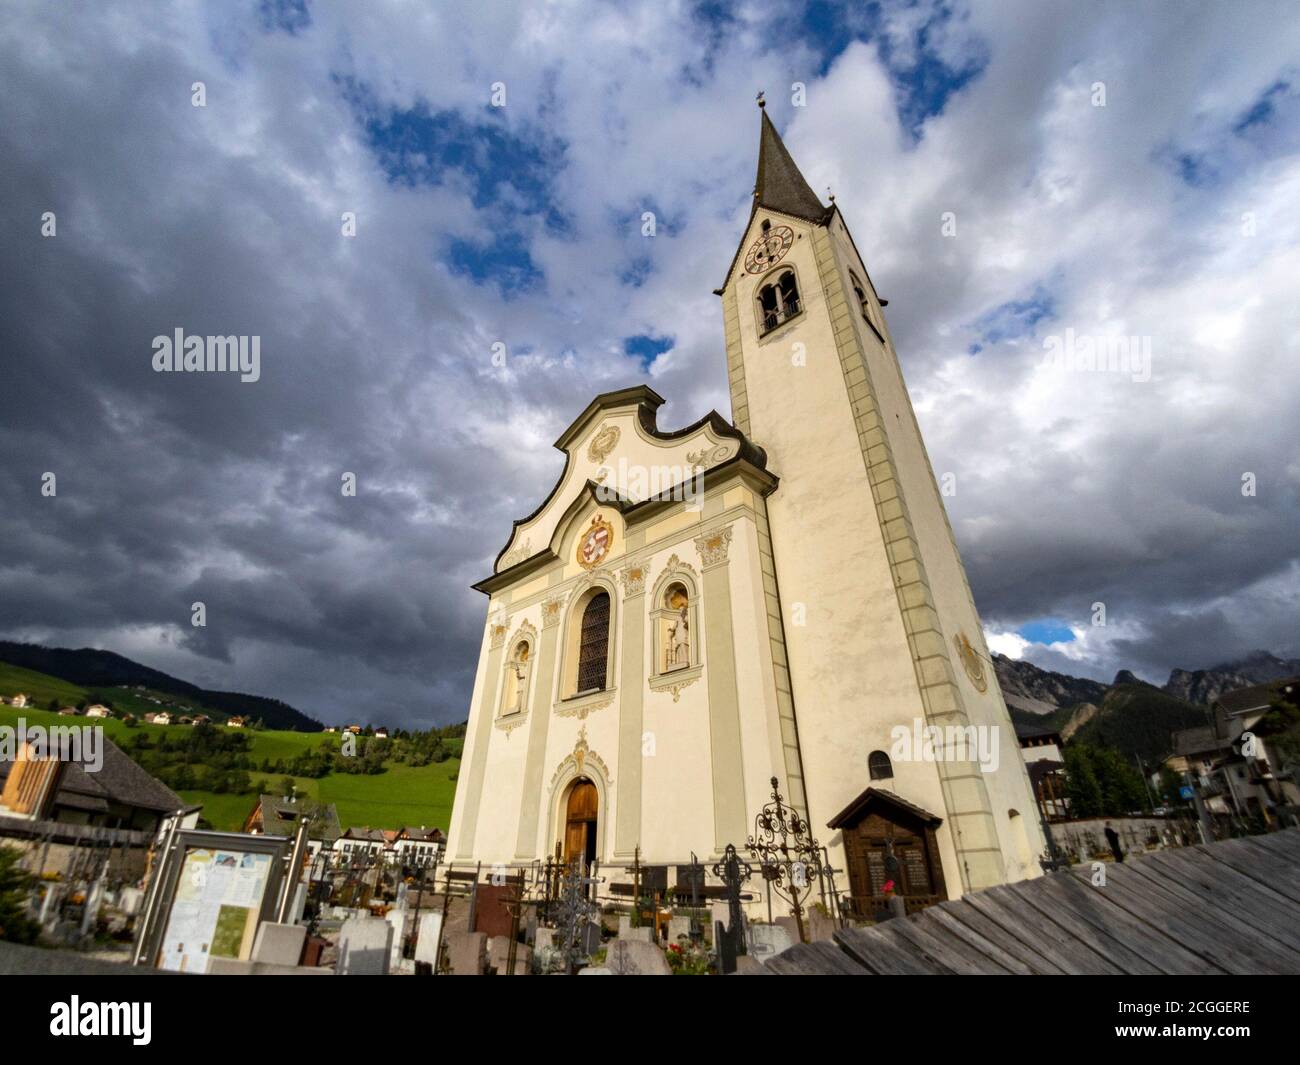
15 885
1081 784
1101 783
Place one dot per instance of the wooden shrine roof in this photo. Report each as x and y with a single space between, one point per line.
1230 907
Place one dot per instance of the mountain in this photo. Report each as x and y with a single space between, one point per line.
94 668
1136 718
1128 714
1206 685
1040 691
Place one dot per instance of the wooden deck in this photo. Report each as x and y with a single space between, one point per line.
1230 907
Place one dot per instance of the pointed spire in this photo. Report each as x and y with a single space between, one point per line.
779 185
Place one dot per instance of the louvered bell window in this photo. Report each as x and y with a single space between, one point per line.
593 652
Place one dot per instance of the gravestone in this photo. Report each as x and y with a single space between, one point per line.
129 899
630 957
365 947
819 926
426 944
397 918
677 928
279 944
766 941
641 934
499 955
466 953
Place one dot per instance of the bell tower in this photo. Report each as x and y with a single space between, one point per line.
881 631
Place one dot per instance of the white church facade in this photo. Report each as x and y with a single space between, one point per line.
689 614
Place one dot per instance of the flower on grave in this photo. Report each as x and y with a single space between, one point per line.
888 889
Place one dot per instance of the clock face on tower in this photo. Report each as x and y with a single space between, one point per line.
769 249
595 543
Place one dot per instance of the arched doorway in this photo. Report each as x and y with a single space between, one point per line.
580 821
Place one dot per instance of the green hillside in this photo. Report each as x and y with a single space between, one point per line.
1138 720
400 794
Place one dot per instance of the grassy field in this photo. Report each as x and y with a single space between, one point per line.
40 688
401 795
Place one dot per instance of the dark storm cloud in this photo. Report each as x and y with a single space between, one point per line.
376 350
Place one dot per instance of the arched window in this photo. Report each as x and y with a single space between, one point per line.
593 647
879 766
778 301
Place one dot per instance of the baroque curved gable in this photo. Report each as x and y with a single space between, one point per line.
616 454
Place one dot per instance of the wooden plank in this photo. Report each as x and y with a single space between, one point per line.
1268 955
882 954
942 949
1132 892
814 959
1246 899
1092 906
1286 842
941 920
1263 867
1025 924
1028 954
1067 912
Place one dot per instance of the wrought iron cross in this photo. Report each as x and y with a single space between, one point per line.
791 858
574 911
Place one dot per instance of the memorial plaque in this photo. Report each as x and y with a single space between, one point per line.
654 878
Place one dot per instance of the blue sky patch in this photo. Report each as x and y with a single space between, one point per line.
1045 631
1015 318
505 260
291 16
503 167
646 348
1261 112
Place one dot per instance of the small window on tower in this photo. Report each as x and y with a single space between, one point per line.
879 767
864 305
778 301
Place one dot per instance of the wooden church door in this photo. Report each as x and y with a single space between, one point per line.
580 823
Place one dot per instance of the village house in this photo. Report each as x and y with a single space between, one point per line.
69 791
1041 749
278 815
97 710
235 722
1238 774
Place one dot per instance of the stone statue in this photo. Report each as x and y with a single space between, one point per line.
521 684
679 639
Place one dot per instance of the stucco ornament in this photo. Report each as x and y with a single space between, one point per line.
713 546
971 660
595 543
603 443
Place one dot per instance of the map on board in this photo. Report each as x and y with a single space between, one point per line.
214 914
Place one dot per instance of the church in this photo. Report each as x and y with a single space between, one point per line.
691 613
